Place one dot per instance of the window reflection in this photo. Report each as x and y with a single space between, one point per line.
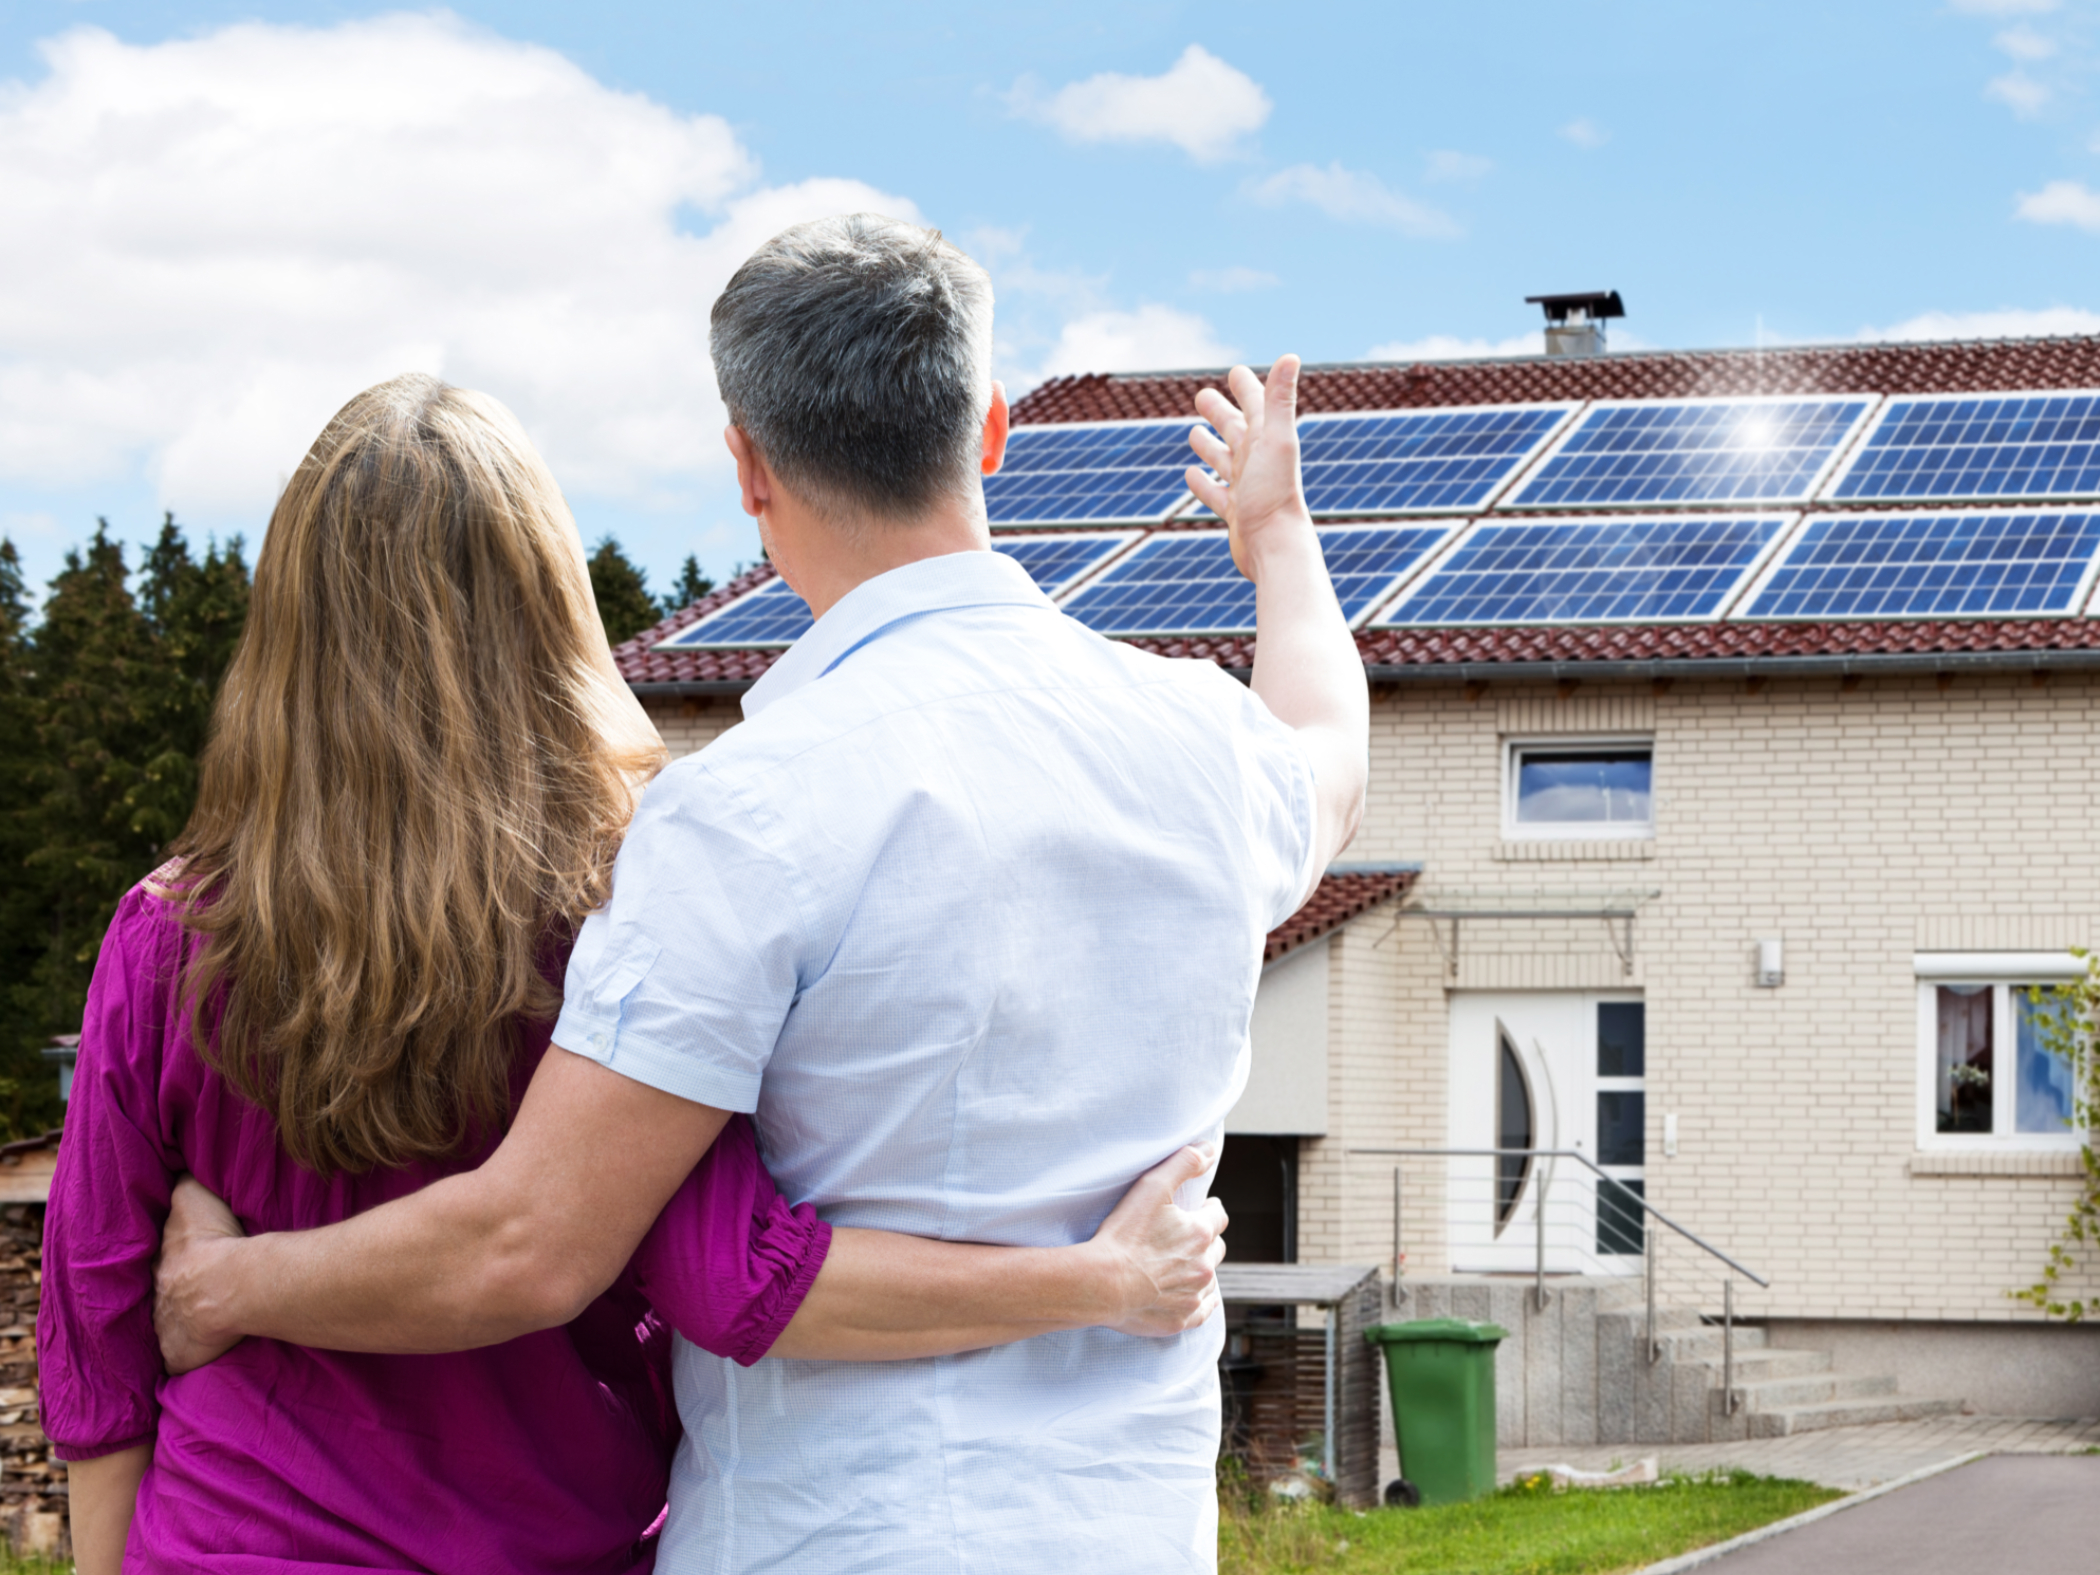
1575 786
2044 1088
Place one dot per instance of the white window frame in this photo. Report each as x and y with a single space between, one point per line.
2006 974
1515 830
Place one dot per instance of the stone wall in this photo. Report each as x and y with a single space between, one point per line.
32 1483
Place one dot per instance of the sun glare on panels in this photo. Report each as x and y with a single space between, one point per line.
1125 473
1978 448
1590 571
775 615
1970 563
1707 451
1184 582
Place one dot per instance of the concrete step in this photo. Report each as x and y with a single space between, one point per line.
1780 1394
1705 1342
1760 1366
1789 1420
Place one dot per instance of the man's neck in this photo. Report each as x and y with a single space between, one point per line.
822 562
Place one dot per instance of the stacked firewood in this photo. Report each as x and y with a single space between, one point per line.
32 1484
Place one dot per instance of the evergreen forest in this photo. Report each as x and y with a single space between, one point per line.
106 690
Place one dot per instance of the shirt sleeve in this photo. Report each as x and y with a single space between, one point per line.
98 1363
1279 808
683 979
728 1262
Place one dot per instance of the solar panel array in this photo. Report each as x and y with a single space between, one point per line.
1129 473
1638 511
1978 448
1184 582
1735 451
1963 564
1590 571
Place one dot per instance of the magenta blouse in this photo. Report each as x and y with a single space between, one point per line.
549 1452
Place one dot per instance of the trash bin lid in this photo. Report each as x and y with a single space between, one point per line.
1461 1331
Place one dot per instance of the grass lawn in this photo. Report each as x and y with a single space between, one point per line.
1519 1531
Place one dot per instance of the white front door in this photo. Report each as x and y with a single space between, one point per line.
1545 1071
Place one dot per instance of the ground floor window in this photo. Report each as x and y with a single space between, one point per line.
1992 1071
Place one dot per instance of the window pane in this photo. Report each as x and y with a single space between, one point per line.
1621 1128
1608 786
1619 1217
1963 1092
2044 1102
1622 1039
1512 1130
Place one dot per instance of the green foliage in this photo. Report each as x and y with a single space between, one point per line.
104 708
2066 1018
1525 1529
625 606
688 588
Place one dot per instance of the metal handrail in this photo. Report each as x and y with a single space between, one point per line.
1580 1158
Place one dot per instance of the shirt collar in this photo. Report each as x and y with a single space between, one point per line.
874 607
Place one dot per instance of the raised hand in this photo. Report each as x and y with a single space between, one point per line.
192 1244
1251 447
1168 1255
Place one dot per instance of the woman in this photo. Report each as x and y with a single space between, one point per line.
421 764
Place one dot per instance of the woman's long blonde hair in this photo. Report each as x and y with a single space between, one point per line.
420 768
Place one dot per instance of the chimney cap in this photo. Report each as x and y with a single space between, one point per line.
1592 304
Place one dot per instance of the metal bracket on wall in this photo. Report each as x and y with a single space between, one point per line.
1616 909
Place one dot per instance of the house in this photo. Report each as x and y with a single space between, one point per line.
1733 724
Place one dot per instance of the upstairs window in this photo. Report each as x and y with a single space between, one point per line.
1579 792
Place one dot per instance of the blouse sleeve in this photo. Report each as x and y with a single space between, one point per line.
98 1363
728 1262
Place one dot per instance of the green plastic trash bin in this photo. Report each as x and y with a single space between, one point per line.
1442 1375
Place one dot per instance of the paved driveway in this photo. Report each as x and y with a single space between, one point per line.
2001 1516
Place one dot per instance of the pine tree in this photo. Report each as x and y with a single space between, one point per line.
23 933
195 612
624 603
690 586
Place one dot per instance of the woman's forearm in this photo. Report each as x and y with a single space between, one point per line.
883 1297
102 1493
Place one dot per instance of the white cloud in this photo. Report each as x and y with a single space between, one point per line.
1151 339
1449 347
1200 105
2062 202
2003 7
1446 165
1585 133
2024 43
1235 280
2005 323
16 526
2020 91
237 231
1353 197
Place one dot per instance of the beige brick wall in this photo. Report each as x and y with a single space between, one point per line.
1860 824
689 725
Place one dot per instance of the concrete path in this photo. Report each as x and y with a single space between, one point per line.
2006 1514
1849 1458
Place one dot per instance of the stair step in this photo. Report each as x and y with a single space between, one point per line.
1758 1366
1789 1420
1706 1342
1779 1394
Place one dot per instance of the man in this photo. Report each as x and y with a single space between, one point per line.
969 912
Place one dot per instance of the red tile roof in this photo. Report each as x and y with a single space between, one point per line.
1965 366
1342 894
1973 366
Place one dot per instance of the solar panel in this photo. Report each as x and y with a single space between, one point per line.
1979 447
1184 582
1999 563
1417 461
1590 571
1124 473
1692 451
775 615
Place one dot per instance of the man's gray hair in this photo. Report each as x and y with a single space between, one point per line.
855 353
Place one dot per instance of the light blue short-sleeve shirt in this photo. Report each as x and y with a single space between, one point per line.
969 912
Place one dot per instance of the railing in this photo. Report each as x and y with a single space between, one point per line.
1565 1232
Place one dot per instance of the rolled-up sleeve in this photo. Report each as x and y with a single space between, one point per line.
728 1262
683 979
98 1364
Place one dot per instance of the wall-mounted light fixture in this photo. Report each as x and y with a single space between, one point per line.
1771 964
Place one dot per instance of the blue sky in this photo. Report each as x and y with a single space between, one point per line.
226 218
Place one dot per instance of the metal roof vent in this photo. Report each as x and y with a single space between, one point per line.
1575 323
